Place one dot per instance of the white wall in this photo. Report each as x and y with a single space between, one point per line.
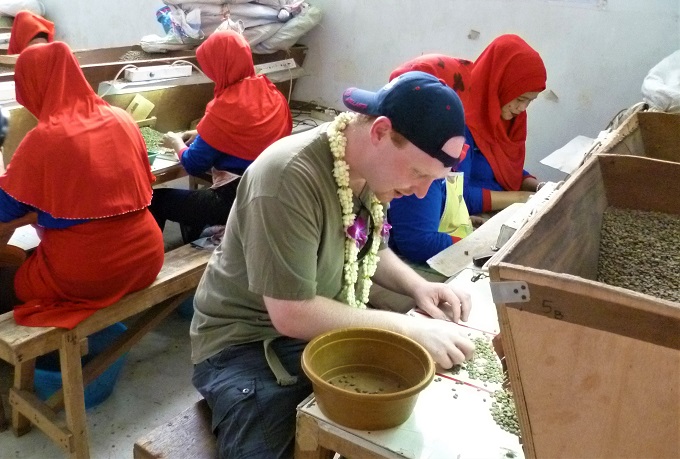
86 24
596 58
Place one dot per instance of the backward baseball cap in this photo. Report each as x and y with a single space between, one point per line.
421 107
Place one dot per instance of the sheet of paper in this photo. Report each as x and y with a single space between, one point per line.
162 163
568 158
25 237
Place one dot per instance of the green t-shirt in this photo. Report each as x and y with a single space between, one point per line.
284 239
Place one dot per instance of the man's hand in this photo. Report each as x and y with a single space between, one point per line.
443 340
442 301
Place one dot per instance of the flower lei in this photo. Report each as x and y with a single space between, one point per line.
355 228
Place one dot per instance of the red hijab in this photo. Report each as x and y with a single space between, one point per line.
247 113
505 70
84 159
25 27
455 73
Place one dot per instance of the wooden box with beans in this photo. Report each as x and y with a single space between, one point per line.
650 134
587 294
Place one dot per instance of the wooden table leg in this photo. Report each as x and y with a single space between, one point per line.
23 380
307 439
74 394
3 419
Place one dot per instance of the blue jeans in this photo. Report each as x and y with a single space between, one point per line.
252 416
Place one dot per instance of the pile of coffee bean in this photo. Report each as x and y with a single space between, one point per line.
504 412
640 251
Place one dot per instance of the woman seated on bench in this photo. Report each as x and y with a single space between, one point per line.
29 29
246 115
85 172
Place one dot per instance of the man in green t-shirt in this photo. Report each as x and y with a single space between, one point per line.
306 225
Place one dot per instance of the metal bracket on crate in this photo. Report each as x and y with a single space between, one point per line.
510 292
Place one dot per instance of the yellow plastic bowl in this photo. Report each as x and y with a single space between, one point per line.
367 378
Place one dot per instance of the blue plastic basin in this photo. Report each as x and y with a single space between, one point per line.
47 378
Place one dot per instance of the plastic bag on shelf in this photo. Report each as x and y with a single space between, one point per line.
291 31
661 86
12 7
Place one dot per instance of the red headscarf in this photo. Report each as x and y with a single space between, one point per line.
25 27
248 113
505 70
455 73
84 159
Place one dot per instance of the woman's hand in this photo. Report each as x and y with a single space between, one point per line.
174 141
188 137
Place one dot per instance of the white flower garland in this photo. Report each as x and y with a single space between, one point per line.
352 271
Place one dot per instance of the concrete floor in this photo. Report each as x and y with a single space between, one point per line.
153 387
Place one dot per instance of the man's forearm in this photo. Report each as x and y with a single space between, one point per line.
395 275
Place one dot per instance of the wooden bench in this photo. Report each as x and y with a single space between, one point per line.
188 435
20 346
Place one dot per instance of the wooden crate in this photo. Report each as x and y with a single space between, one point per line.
594 369
649 134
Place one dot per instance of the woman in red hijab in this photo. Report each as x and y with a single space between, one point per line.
498 88
83 175
29 29
246 115
495 90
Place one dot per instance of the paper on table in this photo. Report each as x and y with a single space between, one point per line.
568 158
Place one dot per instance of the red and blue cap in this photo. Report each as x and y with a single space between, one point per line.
421 107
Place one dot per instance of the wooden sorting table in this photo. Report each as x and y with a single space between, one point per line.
441 426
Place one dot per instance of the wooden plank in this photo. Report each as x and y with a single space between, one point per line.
307 444
8 59
624 189
660 134
596 305
169 173
189 435
23 381
594 394
566 237
143 325
316 439
182 269
74 394
44 418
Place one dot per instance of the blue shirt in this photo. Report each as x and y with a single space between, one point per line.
200 157
11 209
478 176
415 224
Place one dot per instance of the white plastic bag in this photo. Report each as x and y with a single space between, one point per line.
291 31
230 24
12 7
661 86
189 22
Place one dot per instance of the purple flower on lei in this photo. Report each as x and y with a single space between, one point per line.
385 231
358 232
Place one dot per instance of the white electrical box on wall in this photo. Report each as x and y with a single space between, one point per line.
158 72
276 66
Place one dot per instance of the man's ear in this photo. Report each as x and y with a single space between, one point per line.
381 127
